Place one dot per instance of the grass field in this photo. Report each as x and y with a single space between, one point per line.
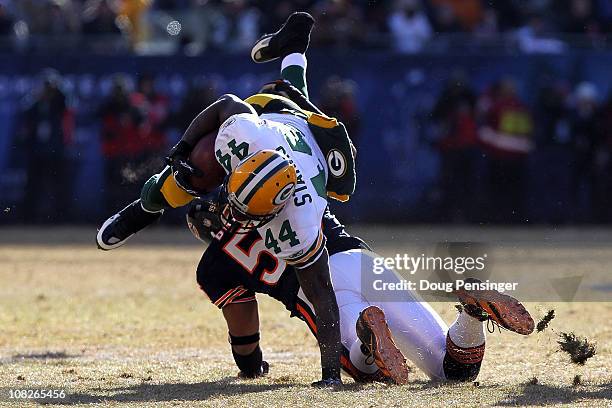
131 327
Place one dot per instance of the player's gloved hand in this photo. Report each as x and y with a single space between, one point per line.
327 382
182 169
179 151
265 369
282 87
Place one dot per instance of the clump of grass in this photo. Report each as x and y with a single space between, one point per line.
543 324
578 348
577 380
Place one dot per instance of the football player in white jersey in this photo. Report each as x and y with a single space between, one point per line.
277 183
277 177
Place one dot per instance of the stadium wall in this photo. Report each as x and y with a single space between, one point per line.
398 164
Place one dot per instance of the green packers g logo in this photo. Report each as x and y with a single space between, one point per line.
284 194
336 163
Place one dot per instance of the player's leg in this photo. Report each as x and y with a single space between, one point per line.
354 361
289 43
419 332
457 353
362 364
160 192
293 70
243 327
443 353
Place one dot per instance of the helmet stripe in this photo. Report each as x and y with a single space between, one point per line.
252 182
261 182
253 174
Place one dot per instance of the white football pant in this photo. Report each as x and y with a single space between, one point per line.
417 329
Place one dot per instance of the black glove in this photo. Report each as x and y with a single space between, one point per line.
179 151
328 382
182 169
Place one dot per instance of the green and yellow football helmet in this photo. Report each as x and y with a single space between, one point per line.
258 189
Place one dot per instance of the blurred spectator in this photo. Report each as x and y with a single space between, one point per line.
602 199
119 141
49 16
62 17
581 18
171 4
409 26
6 20
339 23
99 18
132 136
468 13
338 100
488 27
455 118
275 12
154 108
131 15
553 121
509 14
198 97
236 28
534 37
584 128
507 138
444 20
234 24
45 133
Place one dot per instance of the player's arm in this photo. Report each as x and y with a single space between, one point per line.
243 326
315 281
212 117
206 122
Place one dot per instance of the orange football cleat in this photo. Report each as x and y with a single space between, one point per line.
502 309
373 331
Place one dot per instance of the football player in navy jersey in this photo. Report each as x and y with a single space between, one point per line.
376 336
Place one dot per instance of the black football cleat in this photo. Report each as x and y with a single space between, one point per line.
374 333
120 227
293 36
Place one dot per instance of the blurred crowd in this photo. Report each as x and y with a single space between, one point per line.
136 124
486 141
193 26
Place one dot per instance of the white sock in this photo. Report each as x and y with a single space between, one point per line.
467 331
294 59
362 362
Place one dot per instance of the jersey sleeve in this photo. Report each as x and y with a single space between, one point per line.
235 139
310 252
218 284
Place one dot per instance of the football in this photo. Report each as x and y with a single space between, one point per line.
203 158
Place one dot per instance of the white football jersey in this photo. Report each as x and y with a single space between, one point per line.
295 234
